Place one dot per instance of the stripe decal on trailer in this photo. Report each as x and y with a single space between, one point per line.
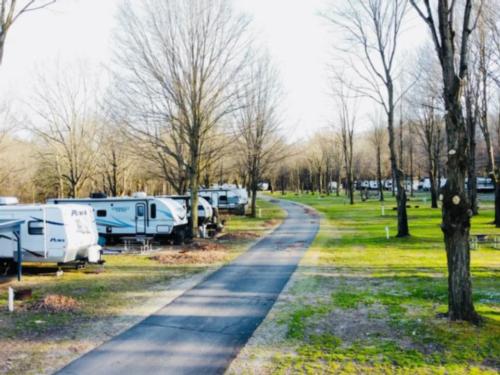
48 221
117 223
38 255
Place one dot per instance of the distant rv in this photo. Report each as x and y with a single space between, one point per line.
50 233
485 185
208 216
226 198
140 215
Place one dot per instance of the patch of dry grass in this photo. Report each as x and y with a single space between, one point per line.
55 303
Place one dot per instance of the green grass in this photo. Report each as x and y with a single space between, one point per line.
127 280
365 304
270 215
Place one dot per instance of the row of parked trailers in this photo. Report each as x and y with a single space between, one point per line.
74 230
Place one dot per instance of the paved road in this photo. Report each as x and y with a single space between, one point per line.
204 329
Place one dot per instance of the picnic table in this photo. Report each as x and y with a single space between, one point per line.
145 242
477 239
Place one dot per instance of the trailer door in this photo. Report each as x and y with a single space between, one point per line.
140 218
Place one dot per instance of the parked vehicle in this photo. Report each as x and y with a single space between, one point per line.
226 198
425 184
50 233
485 185
208 216
387 184
332 186
140 215
263 186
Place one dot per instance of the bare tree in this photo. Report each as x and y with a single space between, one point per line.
258 124
485 73
347 124
179 62
454 59
472 111
429 132
116 158
377 138
67 121
11 10
374 27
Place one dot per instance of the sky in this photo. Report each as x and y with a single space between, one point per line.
72 31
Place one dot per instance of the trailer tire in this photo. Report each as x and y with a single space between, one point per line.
179 237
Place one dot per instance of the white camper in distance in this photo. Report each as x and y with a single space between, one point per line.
226 198
139 215
51 234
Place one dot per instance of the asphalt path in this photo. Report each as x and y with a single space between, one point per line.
204 329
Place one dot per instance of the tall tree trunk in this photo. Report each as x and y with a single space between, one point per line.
456 210
338 184
432 170
411 169
471 121
350 185
379 174
434 195
403 230
193 185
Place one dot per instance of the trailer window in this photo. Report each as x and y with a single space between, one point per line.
35 227
101 213
153 211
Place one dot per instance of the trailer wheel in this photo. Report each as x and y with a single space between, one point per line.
179 237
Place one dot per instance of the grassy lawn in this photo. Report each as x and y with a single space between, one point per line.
360 303
94 305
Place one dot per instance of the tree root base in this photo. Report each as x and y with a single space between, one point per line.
475 318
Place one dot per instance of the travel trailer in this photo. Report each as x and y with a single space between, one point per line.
485 185
137 216
208 216
227 198
50 233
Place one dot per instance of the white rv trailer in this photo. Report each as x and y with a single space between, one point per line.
50 233
139 215
208 216
227 197
205 210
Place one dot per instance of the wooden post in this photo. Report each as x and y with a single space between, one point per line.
11 299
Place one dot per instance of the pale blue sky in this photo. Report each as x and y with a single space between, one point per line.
82 29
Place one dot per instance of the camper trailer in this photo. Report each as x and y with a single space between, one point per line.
485 185
50 233
208 216
137 216
226 198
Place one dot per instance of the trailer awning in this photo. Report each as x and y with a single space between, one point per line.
9 225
